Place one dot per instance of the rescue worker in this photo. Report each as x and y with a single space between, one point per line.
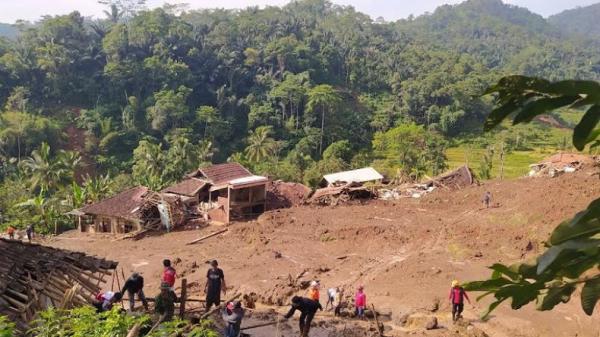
233 315
360 302
308 308
457 296
313 292
215 284
164 303
135 286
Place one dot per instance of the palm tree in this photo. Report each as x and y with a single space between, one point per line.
49 173
96 188
260 145
325 97
44 209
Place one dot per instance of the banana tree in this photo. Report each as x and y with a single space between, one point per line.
572 255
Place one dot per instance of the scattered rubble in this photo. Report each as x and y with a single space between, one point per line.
558 164
453 180
332 196
34 277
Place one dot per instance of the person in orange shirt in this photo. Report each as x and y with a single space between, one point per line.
11 232
313 293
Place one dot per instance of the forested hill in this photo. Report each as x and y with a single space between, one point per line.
581 20
293 92
507 37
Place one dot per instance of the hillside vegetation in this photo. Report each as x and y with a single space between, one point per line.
293 92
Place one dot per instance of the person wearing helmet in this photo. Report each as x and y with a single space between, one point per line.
313 292
233 315
215 283
360 302
457 296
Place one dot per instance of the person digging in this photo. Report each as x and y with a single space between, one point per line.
164 303
308 308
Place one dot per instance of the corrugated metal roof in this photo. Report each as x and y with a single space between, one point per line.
354 176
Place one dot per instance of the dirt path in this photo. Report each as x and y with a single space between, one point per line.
405 253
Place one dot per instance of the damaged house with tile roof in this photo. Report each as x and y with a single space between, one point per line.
222 192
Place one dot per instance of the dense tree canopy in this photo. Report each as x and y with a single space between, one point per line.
291 91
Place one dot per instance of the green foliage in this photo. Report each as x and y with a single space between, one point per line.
7 328
86 322
412 148
486 165
574 247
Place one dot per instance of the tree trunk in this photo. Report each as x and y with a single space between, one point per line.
322 128
19 148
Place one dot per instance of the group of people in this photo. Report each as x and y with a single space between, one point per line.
164 302
233 313
29 231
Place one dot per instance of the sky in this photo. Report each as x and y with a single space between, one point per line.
32 10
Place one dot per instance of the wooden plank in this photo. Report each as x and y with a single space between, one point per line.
183 297
207 236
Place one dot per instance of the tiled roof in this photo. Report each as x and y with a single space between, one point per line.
223 173
188 187
121 205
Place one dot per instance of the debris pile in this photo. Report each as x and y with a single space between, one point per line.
334 195
453 180
34 277
160 210
558 164
282 194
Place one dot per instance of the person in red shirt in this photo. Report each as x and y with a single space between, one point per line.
169 274
457 296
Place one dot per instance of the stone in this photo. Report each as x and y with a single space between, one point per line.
432 324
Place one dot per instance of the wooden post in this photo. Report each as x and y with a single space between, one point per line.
183 298
119 285
228 203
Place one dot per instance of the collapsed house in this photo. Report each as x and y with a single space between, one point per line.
559 164
223 192
453 180
361 176
344 186
116 214
35 277
132 210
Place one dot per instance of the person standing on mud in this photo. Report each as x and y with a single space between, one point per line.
457 296
10 230
169 274
487 199
314 293
30 231
308 308
360 302
215 283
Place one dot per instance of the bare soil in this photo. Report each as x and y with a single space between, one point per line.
404 252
